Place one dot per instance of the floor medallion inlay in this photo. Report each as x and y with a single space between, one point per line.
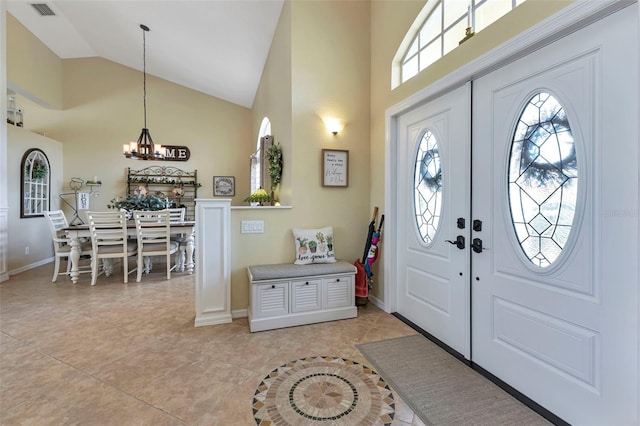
323 389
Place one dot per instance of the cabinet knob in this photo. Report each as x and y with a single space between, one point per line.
338 280
273 286
307 283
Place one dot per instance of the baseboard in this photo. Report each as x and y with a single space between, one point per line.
239 313
31 266
500 383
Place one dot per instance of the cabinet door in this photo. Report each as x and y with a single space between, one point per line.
271 299
338 292
306 295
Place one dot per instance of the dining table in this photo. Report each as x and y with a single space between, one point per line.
81 231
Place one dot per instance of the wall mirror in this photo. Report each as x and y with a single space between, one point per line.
35 183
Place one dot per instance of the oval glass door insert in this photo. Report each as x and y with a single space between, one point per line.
427 195
543 179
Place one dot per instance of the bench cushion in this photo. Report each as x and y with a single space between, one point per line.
288 270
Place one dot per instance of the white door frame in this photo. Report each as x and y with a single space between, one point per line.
569 19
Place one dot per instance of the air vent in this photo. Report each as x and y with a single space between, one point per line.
43 9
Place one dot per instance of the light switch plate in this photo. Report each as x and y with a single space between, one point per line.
252 227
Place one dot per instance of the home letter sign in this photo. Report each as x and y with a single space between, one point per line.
177 153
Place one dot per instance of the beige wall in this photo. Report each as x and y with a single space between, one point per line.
306 78
390 21
39 72
33 232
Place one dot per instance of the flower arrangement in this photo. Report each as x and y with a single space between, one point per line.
132 202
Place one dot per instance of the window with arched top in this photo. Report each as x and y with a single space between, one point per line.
35 185
257 158
439 28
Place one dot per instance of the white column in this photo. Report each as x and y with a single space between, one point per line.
213 261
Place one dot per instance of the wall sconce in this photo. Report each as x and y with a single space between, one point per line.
334 125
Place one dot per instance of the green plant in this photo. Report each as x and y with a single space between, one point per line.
302 241
274 157
320 237
132 202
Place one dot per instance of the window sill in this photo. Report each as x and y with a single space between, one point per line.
260 207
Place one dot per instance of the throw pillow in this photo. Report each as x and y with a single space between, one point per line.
314 245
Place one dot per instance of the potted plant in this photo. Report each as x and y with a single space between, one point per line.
321 245
313 246
330 242
303 245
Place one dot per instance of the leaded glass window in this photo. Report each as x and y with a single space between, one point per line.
543 179
427 198
440 27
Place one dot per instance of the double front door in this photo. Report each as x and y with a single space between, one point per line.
517 222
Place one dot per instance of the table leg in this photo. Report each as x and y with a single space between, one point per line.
74 257
190 250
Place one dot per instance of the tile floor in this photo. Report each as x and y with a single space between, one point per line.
128 354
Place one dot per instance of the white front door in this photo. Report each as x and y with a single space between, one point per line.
555 184
433 190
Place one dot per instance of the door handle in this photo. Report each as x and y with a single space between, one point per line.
476 245
459 242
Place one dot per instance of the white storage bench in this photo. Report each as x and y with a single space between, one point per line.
285 295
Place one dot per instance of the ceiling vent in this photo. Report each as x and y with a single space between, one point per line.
43 9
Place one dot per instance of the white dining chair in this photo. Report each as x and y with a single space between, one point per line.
62 243
109 241
154 239
177 215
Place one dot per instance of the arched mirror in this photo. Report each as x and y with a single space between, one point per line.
35 187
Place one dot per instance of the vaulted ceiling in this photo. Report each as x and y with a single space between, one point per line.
218 47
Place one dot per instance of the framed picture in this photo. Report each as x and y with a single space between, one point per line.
224 186
335 168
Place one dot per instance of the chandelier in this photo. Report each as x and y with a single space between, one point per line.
144 149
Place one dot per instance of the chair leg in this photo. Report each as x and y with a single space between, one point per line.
94 269
57 269
125 266
140 261
168 265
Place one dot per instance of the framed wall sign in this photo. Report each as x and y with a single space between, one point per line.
224 186
335 168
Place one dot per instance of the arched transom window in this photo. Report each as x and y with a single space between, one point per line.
439 28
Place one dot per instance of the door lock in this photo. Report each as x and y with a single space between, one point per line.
459 242
460 223
476 245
